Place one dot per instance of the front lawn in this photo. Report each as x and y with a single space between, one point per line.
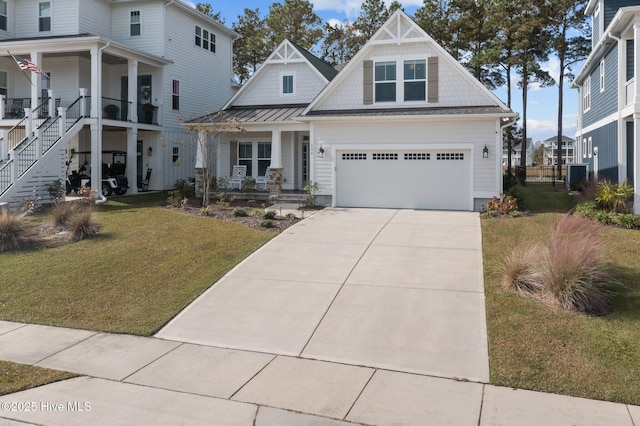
16 377
532 346
146 264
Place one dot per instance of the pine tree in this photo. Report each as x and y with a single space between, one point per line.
294 20
251 49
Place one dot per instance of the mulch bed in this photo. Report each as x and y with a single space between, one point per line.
254 209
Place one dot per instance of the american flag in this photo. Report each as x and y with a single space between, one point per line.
26 65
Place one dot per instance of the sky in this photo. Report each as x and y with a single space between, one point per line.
542 105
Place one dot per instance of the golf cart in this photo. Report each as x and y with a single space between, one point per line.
114 179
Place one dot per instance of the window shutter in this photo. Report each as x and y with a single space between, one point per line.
367 82
233 155
432 74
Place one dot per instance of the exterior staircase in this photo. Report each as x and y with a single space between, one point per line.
36 154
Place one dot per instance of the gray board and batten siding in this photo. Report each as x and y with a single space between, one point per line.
604 103
605 139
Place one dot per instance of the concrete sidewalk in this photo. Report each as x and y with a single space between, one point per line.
148 381
351 316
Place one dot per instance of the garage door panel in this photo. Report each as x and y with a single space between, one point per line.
404 179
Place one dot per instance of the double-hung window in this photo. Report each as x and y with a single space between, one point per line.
385 81
415 80
135 23
264 157
198 36
175 95
175 155
602 76
287 84
3 15
205 39
586 95
44 16
245 156
212 42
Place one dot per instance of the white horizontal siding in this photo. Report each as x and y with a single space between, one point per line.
418 134
151 38
205 77
93 17
267 88
64 18
455 88
11 13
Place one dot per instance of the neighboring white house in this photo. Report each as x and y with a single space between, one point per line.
124 73
402 125
551 150
516 153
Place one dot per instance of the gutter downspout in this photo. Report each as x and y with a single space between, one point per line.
101 198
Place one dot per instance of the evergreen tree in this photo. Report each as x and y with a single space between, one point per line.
207 9
338 45
251 49
294 20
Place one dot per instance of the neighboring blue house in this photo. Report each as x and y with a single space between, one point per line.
608 130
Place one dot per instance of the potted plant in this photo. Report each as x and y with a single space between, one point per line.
148 110
111 111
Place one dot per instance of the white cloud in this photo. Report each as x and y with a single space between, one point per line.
351 8
540 126
335 23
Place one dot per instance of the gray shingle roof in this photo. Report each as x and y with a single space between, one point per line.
325 69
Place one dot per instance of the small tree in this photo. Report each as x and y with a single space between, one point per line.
207 130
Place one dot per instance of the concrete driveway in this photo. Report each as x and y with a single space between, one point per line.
395 289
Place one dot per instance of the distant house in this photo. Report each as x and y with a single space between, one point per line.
551 150
608 132
119 75
516 153
402 125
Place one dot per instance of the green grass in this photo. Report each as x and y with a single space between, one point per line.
535 347
16 377
145 265
543 200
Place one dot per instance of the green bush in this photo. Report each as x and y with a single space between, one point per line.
613 197
603 217
628 221
269 214
588 210
509 181
266 223
238 212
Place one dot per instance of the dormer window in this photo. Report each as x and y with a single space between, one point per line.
3 15
415 78
135 23
385 81
44 16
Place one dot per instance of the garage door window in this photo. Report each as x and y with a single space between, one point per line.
354 156
450 156
384 156
417 156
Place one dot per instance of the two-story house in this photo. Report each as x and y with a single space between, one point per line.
120 75
402 125
608 128
551 150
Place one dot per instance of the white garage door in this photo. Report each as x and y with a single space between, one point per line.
434 179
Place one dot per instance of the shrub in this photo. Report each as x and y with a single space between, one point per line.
613 197
266 223
60 213
566 272
311 189
269 214
249 185
12 231
628 221
503 205
603 217
586 210
257 212
82 225
509 180
290 216
238 212
56 190
570 269
204 211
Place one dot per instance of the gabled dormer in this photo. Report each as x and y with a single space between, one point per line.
290 75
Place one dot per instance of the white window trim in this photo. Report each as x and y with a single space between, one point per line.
7 14
254 154
583 145
586 94
589 147
50 16
138 23
399 60
295 83
602 76
175 152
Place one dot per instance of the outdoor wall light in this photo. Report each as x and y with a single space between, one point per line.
485 152
321 152
150 151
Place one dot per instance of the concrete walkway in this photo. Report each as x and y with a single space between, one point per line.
351 316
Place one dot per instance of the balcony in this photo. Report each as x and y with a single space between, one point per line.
118 110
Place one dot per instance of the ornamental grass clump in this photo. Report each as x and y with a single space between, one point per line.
566 272
82 223
571 271
12 231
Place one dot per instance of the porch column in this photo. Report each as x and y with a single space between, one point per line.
3 100
36 80
4 145
132 90
96 82
96 113
52 103
275 171
96 157
132 160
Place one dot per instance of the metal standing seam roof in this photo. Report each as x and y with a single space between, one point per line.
255 114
